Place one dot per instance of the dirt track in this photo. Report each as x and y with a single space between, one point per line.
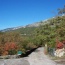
35 58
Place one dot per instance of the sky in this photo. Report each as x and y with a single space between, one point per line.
15 13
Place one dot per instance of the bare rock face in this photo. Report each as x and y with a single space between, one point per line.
2 62
59 52
14 62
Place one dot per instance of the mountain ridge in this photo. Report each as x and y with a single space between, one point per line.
36 24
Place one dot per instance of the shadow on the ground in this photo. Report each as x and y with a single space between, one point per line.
29 52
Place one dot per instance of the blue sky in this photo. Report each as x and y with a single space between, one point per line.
15 13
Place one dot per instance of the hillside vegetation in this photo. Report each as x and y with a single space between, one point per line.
25 39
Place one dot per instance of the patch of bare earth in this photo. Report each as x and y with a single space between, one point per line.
60 61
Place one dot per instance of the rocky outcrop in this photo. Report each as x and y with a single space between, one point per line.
59 52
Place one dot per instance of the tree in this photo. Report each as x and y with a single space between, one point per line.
10 47
61 11
1 49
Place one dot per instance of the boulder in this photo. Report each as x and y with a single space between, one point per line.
59 52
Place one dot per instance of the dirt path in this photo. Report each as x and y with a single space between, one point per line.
35 58
39 58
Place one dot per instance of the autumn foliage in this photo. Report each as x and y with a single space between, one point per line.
1 49
59 44
7 47
10 45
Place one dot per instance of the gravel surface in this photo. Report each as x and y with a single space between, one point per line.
35 58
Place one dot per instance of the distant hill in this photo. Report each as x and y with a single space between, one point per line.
27 26
30 28
25 30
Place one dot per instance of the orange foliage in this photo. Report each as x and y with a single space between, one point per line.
6 47
10 45
5 53
1 49
59 44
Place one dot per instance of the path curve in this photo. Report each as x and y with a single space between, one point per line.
39 58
